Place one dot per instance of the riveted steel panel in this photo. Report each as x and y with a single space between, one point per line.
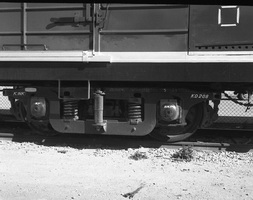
10 21
10 24
139 27
221 28
58 26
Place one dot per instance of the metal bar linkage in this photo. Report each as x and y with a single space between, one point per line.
24 45
154 31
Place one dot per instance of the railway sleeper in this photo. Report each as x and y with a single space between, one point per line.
166 114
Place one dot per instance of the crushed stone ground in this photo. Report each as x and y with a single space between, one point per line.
37 172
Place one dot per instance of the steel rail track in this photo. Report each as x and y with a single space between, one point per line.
19 132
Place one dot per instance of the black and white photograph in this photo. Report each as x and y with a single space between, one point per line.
117 101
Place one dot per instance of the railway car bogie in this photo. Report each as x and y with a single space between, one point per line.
112 111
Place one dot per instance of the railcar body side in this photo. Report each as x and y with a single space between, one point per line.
127 69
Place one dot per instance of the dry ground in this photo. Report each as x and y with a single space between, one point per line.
37 172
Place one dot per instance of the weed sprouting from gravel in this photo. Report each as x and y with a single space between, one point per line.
184 154
138 155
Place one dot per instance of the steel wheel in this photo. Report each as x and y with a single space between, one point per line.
178 133
42 128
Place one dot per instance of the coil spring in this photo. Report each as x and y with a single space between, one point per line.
134 111
70 109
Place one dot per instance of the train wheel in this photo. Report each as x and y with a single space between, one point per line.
178 133
42 128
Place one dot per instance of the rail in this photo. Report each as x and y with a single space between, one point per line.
202 140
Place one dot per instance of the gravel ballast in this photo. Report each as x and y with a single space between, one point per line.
31 171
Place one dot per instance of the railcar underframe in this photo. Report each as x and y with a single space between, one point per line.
95 71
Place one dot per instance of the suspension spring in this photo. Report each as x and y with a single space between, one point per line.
135 111
70 109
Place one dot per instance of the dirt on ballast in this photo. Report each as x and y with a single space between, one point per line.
37 172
